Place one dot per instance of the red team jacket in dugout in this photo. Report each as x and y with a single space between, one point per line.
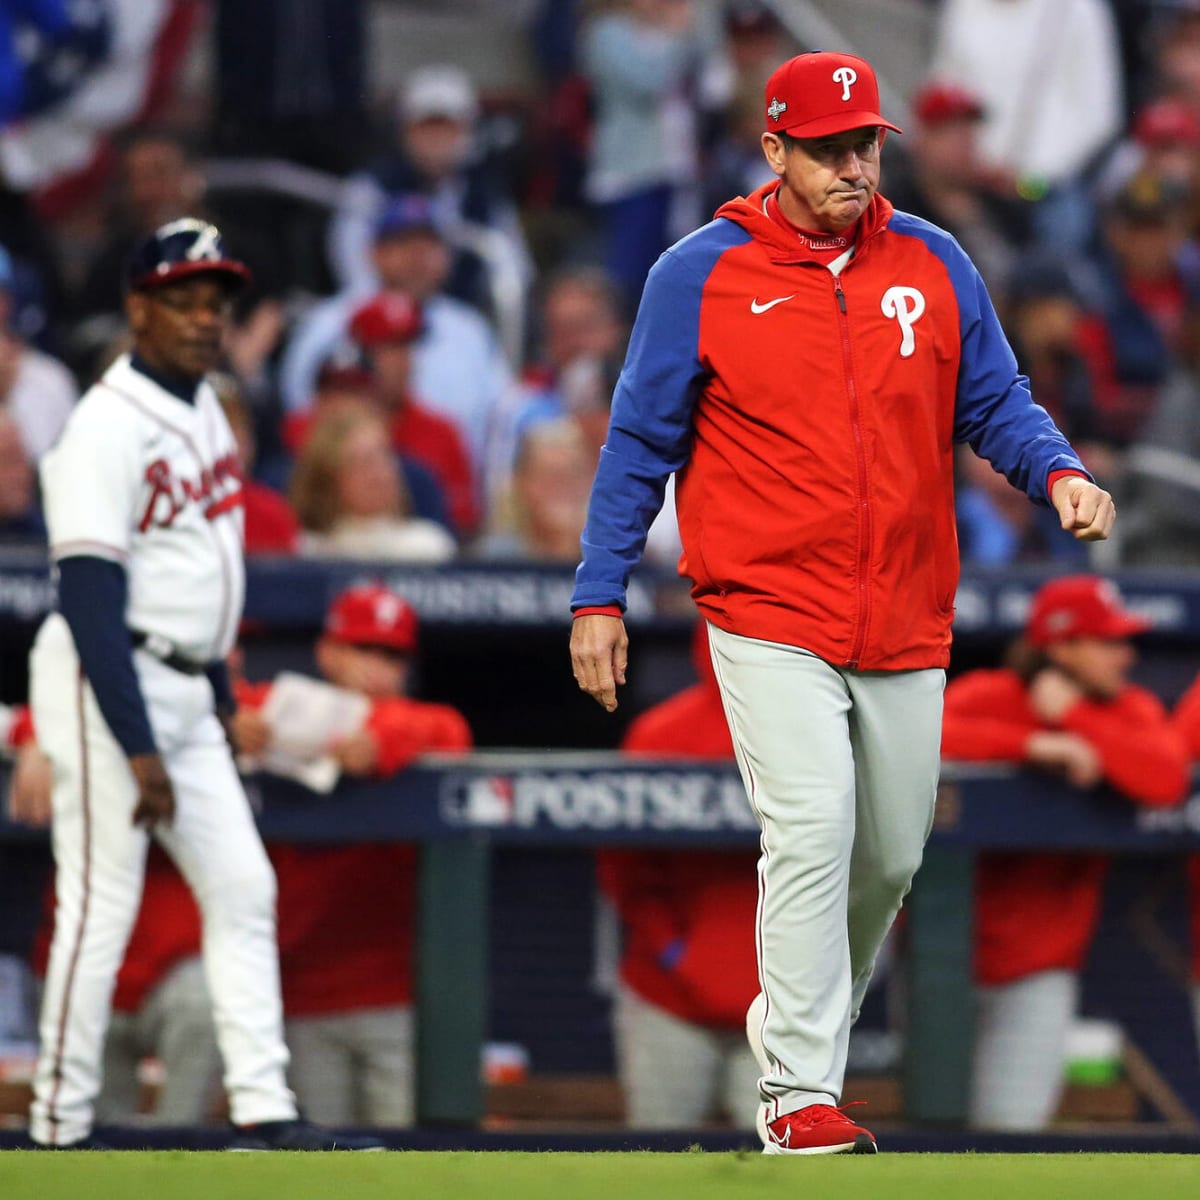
812 419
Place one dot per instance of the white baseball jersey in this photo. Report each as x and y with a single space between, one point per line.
149 481
153 483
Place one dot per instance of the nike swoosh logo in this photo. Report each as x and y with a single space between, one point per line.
755 307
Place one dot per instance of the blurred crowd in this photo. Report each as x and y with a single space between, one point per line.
422 369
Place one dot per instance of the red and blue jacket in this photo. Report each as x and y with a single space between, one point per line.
811 418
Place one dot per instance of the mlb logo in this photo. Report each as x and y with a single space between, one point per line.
489 801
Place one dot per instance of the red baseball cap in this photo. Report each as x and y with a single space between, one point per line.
939 101
1166 121
371 615
823 92
387 317
1080 606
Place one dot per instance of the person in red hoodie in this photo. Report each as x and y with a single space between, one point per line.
1186 719
688 970
346 912
1064 705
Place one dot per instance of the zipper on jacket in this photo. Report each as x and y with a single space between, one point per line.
864 508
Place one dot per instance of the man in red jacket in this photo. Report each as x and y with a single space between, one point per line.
688 971
346 912
1065 705
1186 720
805 364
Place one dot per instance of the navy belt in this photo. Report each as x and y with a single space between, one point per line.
166 653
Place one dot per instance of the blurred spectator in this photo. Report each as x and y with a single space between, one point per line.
458 366
640 58
35 389
541 513
1186 720
271 526
385 328
291 80
349 495
1047 326
159 179
688 969
997 525
346 913
1048 74
1146 303
345 384
940 178
1163 141
579 319
736 165
1159 488
20 517
436 154
1064 705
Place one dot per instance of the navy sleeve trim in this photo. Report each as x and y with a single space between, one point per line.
92 594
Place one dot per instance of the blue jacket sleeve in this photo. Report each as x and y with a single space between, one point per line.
994 410
91 597
649 432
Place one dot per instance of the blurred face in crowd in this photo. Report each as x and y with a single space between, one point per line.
552 480
179 328
368 477
580 321
391 365
160 184
1046 324
437 145
376 671
1148 247
1100 666
827 182
1179 58
416 261
16 472
948 149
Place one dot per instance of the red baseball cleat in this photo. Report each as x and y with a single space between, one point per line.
817 1129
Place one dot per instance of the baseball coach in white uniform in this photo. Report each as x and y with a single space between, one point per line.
129 690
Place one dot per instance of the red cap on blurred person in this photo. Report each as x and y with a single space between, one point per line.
1166 121
822 92
371 615
387 317
1080 606
938 101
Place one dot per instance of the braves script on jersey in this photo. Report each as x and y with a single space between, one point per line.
143 479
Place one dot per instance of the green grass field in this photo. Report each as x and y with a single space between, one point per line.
411 1175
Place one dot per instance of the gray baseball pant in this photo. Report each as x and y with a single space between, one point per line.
676 1074
841 769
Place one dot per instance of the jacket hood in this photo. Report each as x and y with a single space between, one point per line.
748 212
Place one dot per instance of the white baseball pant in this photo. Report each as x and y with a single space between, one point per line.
841 768
1020 1055
676 1075
100 857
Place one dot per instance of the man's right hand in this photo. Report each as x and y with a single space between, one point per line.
156 797
1066 754
599 656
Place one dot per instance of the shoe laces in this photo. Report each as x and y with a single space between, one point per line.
827 1114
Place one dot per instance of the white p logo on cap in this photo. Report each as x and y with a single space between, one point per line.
846 76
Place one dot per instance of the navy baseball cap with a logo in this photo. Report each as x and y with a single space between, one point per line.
823 92
178 250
